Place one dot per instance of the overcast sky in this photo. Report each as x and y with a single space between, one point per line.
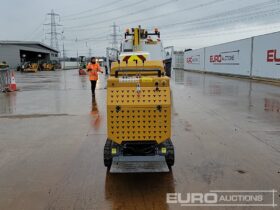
87 24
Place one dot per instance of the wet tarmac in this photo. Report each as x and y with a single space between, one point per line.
226 134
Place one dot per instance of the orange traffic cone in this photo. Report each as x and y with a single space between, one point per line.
13 85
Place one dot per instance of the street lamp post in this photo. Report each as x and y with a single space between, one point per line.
39 56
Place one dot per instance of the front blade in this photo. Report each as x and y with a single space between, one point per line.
139 164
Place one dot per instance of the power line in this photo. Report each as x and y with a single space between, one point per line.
240 10
148 8
86 28
65 17
219 33
151 7
232 12
226 17
31 35
164 15
105 12
229 20
219 15
78 40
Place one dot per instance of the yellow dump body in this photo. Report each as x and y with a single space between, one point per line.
138 107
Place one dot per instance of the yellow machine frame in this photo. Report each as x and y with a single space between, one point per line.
138 112
142 114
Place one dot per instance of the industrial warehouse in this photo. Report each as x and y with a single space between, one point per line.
140 105
16 52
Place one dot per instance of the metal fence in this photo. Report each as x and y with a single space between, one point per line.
5 79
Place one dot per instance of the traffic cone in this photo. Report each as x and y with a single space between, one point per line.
13 85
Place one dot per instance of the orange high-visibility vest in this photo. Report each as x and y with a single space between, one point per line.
95 68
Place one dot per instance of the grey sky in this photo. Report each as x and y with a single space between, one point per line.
183 23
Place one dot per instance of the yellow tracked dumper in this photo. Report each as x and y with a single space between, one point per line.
138 114
32 67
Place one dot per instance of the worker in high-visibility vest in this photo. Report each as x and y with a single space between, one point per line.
93 68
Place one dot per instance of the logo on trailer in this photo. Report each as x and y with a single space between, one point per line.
215 59
272 57
193 59
226 58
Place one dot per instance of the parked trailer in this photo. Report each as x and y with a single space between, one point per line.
256 57
194 60
266 56
229 58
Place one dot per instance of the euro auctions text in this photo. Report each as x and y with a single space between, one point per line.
225 198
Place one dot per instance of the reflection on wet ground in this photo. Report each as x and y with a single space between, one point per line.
261 96
146 191
96 117
225 131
